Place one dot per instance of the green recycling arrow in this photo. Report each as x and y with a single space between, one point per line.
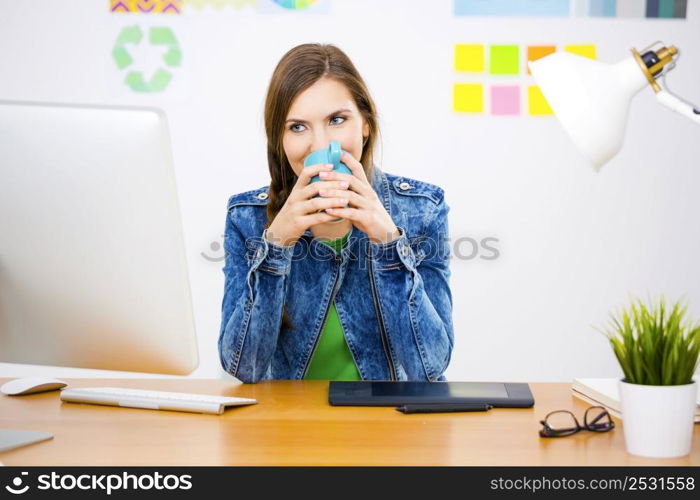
135 80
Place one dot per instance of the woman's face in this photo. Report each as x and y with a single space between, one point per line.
323 113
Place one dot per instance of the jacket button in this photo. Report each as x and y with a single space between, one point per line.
404 251
259 253
262 196
405 186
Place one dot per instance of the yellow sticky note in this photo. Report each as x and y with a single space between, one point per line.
536 103
582 50
469 58
469 97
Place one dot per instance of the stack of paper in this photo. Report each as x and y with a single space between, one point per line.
605 392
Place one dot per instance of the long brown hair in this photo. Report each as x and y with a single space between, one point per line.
298 69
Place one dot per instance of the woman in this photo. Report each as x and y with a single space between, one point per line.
346 278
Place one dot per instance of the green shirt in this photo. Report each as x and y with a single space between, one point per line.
332 359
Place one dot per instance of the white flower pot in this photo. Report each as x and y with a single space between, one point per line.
658 419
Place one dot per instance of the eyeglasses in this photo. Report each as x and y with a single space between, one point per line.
562 423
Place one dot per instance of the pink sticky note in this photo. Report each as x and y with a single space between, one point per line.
505 100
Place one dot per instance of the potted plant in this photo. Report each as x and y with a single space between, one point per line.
658 352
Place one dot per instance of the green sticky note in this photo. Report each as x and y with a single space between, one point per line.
504 60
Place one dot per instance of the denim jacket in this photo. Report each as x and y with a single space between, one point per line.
393 299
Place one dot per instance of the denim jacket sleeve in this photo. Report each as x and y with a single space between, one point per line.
256 273
418 319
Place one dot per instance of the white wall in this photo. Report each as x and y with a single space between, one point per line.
573 244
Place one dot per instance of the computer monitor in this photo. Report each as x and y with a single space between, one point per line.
93 272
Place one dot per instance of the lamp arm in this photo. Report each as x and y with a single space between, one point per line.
678 105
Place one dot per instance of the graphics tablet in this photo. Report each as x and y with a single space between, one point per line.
371 393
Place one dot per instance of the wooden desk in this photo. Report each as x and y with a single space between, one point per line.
293 425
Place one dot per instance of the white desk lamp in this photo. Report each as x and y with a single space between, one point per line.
591 99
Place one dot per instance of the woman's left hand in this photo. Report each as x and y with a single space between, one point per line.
367 212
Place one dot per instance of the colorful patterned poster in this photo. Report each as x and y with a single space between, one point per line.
177 6
217 5
146 6
294 7
295 4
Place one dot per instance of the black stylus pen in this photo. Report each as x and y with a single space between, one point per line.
442 408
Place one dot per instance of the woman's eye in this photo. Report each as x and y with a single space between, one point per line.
298 127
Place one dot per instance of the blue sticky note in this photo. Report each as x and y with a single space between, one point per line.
603 8
512 8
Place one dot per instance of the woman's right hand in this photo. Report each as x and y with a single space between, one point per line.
302 209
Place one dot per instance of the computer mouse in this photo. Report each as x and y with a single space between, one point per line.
31 385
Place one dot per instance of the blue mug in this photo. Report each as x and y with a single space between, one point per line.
331 154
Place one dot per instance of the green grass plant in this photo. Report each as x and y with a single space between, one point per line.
655 344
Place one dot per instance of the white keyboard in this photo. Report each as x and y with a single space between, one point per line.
152 400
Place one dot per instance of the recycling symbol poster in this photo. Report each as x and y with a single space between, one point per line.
148 57
149 53
160 37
